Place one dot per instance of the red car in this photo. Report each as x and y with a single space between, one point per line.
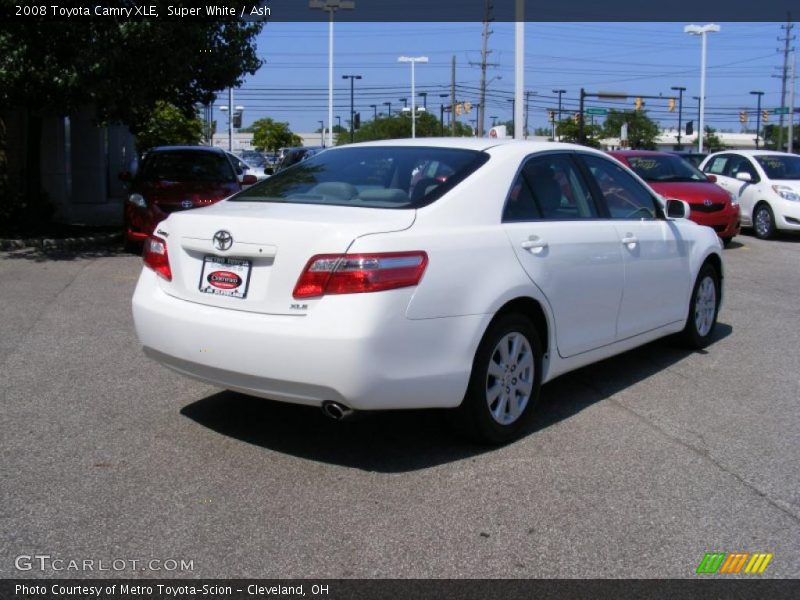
672 177
175 178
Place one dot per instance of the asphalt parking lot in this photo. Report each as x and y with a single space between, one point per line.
637 466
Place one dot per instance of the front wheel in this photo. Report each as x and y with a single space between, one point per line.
505 382
764 222
703 309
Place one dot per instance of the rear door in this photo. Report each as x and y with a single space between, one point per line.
656 257
574 257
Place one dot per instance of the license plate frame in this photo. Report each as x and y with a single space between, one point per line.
226 266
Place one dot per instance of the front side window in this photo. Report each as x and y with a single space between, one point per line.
623 195
187 165
780 167
740 164
373 177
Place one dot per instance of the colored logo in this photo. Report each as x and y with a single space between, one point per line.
224 280
734 562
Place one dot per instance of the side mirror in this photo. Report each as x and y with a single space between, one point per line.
678 209
125 176
711 178
744 176
249 179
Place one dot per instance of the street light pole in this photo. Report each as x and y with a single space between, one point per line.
559 92
389 104
424 96
680 91
331 6
322 133
230 119
413 60
441 112
703 32
758 94
352 79
513 114
374 107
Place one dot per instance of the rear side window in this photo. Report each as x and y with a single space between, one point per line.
717 164
371 177
549 188
187 165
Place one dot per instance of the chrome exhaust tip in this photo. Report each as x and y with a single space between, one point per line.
334 410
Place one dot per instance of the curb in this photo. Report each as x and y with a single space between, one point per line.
72 243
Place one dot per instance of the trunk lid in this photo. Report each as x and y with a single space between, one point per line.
275 239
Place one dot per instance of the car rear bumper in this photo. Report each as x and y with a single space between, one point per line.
360 351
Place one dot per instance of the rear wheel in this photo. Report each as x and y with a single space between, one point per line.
764 221
505 382
703 309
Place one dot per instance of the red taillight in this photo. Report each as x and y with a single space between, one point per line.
155 257
357 273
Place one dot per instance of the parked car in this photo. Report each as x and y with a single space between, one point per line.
335 284
175 178
243 167
690 156
295 155
673 177
767 185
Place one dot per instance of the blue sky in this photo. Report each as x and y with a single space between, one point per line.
635 58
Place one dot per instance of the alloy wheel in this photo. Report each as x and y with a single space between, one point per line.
510 378
705 306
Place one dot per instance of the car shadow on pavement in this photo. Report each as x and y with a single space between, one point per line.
401 441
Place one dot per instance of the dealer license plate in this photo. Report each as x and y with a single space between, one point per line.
224 276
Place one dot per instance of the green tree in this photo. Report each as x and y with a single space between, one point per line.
120 67
399 126
711 141
271 135
770 133
168 125
568 131
642 131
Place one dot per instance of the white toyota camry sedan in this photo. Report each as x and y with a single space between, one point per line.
452 273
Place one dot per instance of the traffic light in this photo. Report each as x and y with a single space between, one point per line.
765 115
357 120
638 103
577 118
467 107
671 105
690 128
742 117
459 109
551 115
237 119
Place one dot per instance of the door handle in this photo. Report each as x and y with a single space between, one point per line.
534 243
630 240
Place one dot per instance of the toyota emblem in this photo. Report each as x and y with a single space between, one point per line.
707 202
222 240
187 204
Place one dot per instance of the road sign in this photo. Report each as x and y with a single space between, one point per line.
781 110
597 111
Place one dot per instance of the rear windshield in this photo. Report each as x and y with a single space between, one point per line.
372 177
780 167
668 168
187 165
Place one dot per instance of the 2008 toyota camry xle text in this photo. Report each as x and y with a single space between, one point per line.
452 273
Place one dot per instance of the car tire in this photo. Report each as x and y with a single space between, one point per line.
504 385
703 309
726 241
763 221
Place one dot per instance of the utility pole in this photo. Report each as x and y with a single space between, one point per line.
527 99
485 52
790 148
559 92
230 119
453 115
787 39
680 91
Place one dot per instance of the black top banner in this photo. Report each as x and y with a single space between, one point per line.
406 10
395 589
